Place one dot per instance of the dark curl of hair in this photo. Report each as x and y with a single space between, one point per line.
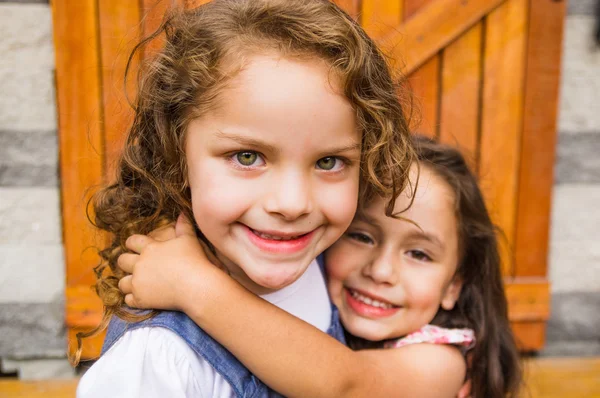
494 365
204 48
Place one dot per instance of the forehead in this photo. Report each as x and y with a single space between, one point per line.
432 207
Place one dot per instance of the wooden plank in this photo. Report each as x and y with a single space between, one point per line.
152 13
502 117
528 299
562 377
424 82
92 346
461 88
538 144
80 134
352 7
530 336
429 31
84 308
119 27
380 17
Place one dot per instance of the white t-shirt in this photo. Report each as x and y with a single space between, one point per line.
155 362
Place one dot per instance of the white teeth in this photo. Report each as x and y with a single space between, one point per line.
370 301
273 237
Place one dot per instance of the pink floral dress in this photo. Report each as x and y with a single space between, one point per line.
463 338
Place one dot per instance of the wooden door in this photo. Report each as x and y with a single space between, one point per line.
485 73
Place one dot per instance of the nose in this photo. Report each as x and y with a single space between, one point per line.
290 196
381 269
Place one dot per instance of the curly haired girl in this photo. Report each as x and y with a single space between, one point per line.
427 287
263 121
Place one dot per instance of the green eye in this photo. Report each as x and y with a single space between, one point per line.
327 163
247 158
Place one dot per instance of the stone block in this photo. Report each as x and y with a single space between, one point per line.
31 273
574 249
582 7
27 99
580 80
28 158
41 369
577 160
30 217
33 330
574 317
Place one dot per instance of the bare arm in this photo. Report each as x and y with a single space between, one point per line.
297 359
288 354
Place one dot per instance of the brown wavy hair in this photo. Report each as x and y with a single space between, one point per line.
204 48
494 365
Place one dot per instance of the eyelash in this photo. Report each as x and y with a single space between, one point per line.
235 162
419 255
232 157
360 237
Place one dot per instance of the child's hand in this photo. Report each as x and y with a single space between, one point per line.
165 268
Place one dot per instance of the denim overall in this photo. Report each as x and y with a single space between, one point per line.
242 381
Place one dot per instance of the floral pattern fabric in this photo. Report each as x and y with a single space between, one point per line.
432 334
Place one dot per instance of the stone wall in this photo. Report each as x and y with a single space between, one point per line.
31 253
574 327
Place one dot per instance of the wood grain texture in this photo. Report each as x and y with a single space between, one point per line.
528 299
80 112
502 117
425 86
538 144
119 33
426 33
461 89
352 7
424 82
379 18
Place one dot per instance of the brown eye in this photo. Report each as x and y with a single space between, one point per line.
246 158
328 163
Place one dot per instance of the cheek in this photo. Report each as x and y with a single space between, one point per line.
338 202
424 292
341 263
217 198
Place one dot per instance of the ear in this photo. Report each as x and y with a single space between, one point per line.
452 293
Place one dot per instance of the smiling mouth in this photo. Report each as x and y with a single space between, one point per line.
277 237
371 301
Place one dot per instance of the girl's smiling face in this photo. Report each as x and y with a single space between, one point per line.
274 169
388 277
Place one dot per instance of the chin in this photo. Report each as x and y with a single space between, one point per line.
277 278
368 332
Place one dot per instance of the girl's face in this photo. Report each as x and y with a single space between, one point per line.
274 170
388 277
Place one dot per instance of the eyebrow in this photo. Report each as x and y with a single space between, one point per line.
253 142
247 141
342 149
419 234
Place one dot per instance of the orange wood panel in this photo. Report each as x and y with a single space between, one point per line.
528 299
425 86
92 346
79 102
461 89
529 335
119 33
539 136
426 33
380 17
352 7
502 117
152 13
424 82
